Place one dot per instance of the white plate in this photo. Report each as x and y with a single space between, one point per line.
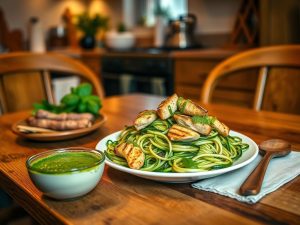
246 158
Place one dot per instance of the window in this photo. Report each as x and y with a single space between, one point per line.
172 8
144 11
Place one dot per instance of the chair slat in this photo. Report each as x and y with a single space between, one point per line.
260 88
48 86
3 105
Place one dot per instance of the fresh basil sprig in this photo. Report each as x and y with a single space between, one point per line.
80 100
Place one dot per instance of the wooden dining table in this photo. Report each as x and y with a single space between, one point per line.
121 198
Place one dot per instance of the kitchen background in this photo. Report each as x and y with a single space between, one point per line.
214 16
149 64
222 29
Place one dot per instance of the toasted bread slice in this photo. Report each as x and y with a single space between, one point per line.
190 108
134 156
167 107
221 128
144 119
180 133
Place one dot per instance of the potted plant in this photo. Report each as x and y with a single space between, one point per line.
90 25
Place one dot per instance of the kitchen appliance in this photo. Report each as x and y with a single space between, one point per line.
138 70
181 32
37 39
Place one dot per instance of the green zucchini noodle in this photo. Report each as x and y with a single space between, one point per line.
162 155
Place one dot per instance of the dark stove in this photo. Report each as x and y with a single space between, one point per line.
138 70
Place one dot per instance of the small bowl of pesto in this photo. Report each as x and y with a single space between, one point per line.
66 173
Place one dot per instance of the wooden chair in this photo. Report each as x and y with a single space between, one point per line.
43 63
286 56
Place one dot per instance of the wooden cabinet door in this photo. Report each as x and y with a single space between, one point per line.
236 89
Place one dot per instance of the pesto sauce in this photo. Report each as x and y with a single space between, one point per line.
181 104
65 162
179 101
209 120
170 110
147 112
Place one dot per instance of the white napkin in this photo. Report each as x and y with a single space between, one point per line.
279 172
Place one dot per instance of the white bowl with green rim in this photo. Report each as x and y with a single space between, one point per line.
66 173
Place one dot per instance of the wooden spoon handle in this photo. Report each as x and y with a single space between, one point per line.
252 184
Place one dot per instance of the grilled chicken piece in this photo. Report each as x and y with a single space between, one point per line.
187 121
134 156
190 108
59 124
167 107
144 119
44 114
180 133
220 127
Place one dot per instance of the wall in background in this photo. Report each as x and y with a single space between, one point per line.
214 16
18 12
111 8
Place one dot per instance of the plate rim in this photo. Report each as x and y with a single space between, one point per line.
182 175
59 135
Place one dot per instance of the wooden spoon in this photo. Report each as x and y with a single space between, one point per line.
269 149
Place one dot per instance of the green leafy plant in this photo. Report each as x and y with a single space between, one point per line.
80 100
90 25
160 11
121 28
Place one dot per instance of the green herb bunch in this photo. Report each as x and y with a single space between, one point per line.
121 28
90 25
80 100
160 11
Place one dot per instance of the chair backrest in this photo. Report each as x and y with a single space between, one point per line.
285 56
24 62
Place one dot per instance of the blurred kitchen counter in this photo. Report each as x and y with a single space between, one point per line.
78 53
190 69
189 53
91 58
211 53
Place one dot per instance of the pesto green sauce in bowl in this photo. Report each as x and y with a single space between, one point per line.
62 161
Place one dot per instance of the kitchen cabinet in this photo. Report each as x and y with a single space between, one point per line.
189 71
92 59
280 25
93 62
192 68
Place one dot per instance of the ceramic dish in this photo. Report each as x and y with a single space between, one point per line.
72 182
247 157
58 135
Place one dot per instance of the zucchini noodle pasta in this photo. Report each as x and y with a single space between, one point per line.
163 155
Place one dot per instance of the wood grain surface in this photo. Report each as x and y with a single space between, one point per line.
121 198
